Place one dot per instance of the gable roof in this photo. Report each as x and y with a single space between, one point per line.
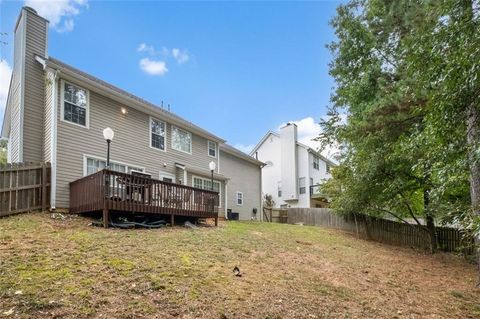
264 138
69 72
308 148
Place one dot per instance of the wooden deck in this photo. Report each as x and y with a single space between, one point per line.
108 190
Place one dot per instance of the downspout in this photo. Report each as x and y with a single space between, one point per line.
53 143
226 195
261 195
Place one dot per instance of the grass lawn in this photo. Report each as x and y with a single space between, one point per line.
66 269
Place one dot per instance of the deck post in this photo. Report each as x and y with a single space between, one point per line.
172 220
216 220
105 214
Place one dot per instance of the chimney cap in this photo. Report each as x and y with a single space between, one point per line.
288 124
30 9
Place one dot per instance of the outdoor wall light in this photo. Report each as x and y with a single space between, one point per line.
124 110
108 136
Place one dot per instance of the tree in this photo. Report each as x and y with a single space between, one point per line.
445 60
402 154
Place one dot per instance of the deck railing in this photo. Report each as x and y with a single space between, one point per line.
110 190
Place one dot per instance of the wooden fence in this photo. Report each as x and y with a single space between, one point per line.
24 187
382 230
275 215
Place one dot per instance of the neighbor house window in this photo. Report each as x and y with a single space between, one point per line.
94 165
239 198
328 168
181 140
316 163
301 185
75 104
212 149
279 189
157 134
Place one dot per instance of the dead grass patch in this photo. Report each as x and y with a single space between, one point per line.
65 269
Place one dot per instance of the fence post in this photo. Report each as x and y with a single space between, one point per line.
44 187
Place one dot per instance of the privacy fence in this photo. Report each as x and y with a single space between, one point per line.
382 230
24 187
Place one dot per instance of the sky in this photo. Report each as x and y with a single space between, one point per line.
237 69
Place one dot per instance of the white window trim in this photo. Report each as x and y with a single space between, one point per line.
236 199
86 156
162 174
318 163
191 140
62 105
219 187
208 148
150 118
305 185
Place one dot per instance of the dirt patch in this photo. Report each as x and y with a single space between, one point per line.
66 269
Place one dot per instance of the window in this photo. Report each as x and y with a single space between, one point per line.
205 183
157 134
212 149
311 181
181 140
301 185
279 189
166 177
239 198
75 104
328 168
316 163
94 165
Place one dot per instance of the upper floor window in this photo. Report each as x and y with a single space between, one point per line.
279 189
239 198
75 104
316 163
212 149
181 140
301 185
157 134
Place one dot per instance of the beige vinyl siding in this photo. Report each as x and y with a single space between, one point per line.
243 177
15 94
131 143
34 103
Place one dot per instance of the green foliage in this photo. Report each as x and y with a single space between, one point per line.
405 71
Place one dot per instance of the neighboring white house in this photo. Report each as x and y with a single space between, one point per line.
293 171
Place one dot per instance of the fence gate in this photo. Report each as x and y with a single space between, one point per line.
24 187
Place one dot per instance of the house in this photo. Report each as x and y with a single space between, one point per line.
293 171
56 113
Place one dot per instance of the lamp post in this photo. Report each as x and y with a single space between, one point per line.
212 167
108 135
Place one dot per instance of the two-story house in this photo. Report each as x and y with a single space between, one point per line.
293 172
56 113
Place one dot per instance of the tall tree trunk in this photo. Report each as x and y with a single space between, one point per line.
430 221
473 139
